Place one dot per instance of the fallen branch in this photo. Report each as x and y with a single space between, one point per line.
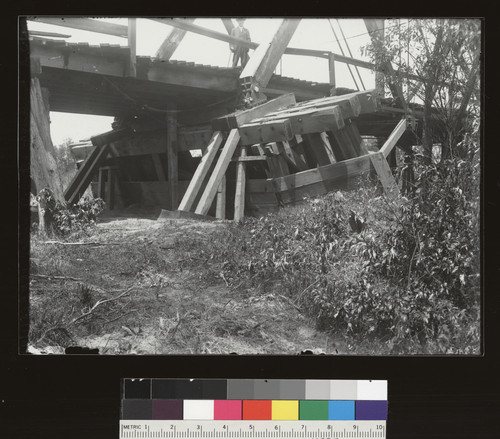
98 303
48 276
83 243
290 302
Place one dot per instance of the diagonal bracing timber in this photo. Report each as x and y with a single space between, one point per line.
201 172
217 175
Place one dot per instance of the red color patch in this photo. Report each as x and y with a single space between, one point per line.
257 410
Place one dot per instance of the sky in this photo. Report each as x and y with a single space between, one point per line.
310 34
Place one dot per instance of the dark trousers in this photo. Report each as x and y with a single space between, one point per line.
240 53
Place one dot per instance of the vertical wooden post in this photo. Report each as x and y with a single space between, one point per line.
110 187
132 44
331 70
239 198
101 184
158 167
220 212
173 170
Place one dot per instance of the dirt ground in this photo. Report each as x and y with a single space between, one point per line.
127 289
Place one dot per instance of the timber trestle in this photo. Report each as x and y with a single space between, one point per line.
305 149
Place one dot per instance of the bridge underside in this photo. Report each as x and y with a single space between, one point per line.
94 80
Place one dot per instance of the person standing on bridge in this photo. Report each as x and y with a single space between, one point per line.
240 52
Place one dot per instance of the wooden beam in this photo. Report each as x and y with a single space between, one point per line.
239 197
351 105
292 156
352 131
219 171
250 158
201 172
331 70
220 211
170 44
228 24
394 137
316 146
343 142
160 173
173 166
88 24
37 33
309 120
384 173
321 180
375 28
328 147
275 162
84 175
264 132
260 67
132 44
237 119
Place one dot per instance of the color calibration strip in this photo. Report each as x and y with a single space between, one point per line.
283 400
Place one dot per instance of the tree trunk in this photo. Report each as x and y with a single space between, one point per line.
43 165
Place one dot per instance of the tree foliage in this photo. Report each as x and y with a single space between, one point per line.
445 55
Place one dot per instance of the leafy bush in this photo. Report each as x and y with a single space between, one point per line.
409 279
63 219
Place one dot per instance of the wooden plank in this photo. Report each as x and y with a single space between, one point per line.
220 210
264 60
228 24
219 171
328 172
352 131
384 174
170 44
160 173
181 24
172 156
88 24
237 119
276 164
250 158
350 105
82 178
343 142
394 137
201 172
312 120
315 144
239 197
264 132
293 159
331 70
336 149
101 184
132 44
328 147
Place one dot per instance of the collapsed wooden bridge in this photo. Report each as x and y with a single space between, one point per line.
307 140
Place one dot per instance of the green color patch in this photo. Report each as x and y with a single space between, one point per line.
313 410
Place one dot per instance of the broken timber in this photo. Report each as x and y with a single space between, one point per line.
306 149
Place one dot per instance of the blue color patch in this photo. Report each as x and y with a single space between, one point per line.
341 410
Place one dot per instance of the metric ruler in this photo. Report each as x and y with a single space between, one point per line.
150 429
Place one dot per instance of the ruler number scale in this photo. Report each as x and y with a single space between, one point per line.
257 429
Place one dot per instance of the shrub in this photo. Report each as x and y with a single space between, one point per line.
63 219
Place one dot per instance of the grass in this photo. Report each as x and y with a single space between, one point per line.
255 286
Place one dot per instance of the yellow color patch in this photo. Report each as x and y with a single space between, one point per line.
285 410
